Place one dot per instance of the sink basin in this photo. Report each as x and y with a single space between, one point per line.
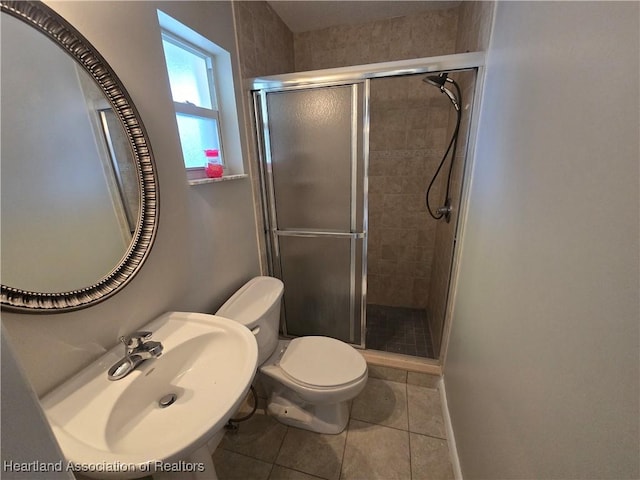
208 364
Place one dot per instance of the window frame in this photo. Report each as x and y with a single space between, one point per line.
190 109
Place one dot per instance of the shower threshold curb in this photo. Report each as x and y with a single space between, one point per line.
403 362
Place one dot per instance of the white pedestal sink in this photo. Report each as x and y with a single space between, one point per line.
118 429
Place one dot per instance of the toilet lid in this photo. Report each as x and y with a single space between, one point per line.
322 362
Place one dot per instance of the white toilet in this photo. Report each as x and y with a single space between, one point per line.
309 380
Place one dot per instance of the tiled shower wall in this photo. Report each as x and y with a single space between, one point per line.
407 139
264 41
420 35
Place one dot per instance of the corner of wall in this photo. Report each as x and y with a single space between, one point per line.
26 434
273 56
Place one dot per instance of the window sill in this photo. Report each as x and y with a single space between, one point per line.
224 178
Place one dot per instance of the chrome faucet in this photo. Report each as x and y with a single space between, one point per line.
137 349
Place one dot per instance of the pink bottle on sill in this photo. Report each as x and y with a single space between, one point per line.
213 167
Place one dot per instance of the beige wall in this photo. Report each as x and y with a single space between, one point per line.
542 373
206 243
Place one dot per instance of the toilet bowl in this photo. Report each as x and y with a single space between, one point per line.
309 380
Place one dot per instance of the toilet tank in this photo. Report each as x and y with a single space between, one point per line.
257 306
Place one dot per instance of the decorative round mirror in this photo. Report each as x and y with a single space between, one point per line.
79 191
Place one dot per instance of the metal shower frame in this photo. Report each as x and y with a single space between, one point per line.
362 74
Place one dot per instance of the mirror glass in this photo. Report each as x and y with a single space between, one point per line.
72 187
64 196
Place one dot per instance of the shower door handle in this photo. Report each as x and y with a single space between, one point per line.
318 234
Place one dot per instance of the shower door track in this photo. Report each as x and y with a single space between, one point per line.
358 73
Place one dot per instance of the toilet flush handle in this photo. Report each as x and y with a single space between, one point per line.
255 330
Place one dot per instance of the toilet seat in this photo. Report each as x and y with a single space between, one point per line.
322 362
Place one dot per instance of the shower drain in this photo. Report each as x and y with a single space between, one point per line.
167 400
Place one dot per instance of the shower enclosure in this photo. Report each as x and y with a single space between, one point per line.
346 156
314 146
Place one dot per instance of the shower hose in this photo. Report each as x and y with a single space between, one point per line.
452 144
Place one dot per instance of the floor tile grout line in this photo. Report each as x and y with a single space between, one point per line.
386 426
346 439
410 458
406 395
408 429
243 455
430 436
259 459
300 471
381 425
273 465
275 460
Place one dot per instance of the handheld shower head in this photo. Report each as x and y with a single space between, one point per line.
439 81
452 97
436 81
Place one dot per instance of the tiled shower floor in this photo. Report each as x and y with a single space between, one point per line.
399 330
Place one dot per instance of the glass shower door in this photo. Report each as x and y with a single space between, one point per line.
313 151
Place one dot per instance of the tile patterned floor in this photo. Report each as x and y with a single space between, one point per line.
399 330
395 431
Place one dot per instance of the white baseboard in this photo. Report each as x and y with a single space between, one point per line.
451 439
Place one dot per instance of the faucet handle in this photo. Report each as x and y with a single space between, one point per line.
134 340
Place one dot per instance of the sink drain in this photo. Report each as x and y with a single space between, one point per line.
167 400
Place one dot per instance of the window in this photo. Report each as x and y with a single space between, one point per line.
193 88
204 97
